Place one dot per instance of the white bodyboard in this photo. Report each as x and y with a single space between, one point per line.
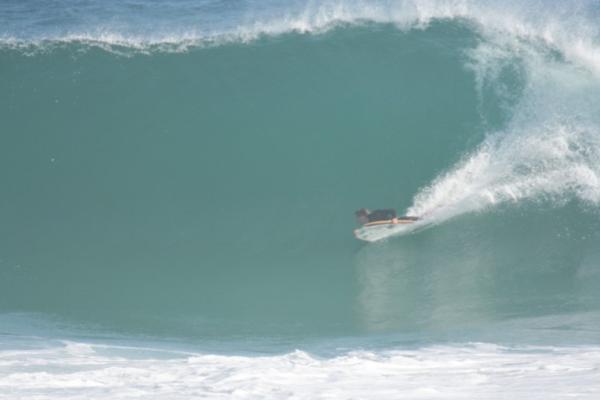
380 230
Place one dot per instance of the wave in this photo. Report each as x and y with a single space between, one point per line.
536 63
549 150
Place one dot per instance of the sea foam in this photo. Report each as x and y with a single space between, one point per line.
476 370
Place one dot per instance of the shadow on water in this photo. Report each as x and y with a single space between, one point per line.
477 273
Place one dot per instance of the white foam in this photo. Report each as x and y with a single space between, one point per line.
543 166
445 372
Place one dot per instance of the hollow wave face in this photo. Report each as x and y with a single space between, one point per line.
166 162
547 151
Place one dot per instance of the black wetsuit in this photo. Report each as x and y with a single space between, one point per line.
382 215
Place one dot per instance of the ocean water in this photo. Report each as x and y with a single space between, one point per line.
178 182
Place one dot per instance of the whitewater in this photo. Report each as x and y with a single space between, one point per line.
179 180
475 370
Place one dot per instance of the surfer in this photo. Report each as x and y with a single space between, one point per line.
365 216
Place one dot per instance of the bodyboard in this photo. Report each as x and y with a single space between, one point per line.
378 230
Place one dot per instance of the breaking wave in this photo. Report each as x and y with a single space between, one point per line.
549 150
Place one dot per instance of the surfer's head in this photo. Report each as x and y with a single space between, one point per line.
362 215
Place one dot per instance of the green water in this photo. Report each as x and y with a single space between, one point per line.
211 193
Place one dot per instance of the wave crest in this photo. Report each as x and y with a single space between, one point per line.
571 29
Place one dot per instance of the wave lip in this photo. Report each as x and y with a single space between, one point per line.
156 27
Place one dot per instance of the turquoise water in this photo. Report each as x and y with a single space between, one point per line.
219 183
179 182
